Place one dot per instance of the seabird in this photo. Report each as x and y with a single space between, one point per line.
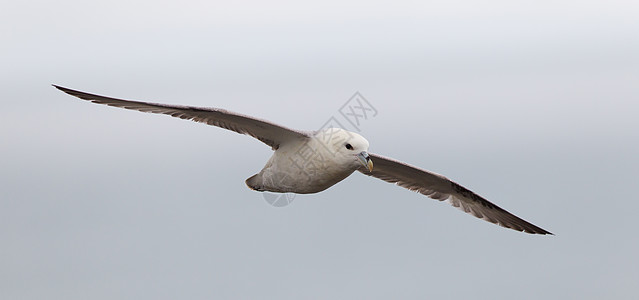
306 162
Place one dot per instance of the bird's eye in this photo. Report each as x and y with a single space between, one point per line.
349 147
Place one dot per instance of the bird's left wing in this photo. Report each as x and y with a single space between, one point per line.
267 132
441 188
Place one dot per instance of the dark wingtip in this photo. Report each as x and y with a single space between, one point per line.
544 231
539 231
60 88
66 90
79 94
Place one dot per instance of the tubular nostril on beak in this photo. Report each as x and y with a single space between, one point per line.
365 160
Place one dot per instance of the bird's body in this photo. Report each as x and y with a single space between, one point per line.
310 162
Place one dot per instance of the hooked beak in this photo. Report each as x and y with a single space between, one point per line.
365 160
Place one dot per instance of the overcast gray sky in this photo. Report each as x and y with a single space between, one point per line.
532 105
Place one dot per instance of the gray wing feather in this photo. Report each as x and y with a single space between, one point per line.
443 189
267 132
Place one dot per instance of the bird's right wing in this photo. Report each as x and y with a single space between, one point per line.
267 132
441 188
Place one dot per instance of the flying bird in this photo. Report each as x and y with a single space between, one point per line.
334 155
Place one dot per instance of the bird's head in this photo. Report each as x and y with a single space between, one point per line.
346 147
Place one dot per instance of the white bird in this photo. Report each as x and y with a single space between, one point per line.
310 162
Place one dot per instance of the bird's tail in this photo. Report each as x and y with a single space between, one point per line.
255 183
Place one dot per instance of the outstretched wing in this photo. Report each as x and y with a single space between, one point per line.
267 132
441 188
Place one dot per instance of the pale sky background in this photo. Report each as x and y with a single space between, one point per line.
533 105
